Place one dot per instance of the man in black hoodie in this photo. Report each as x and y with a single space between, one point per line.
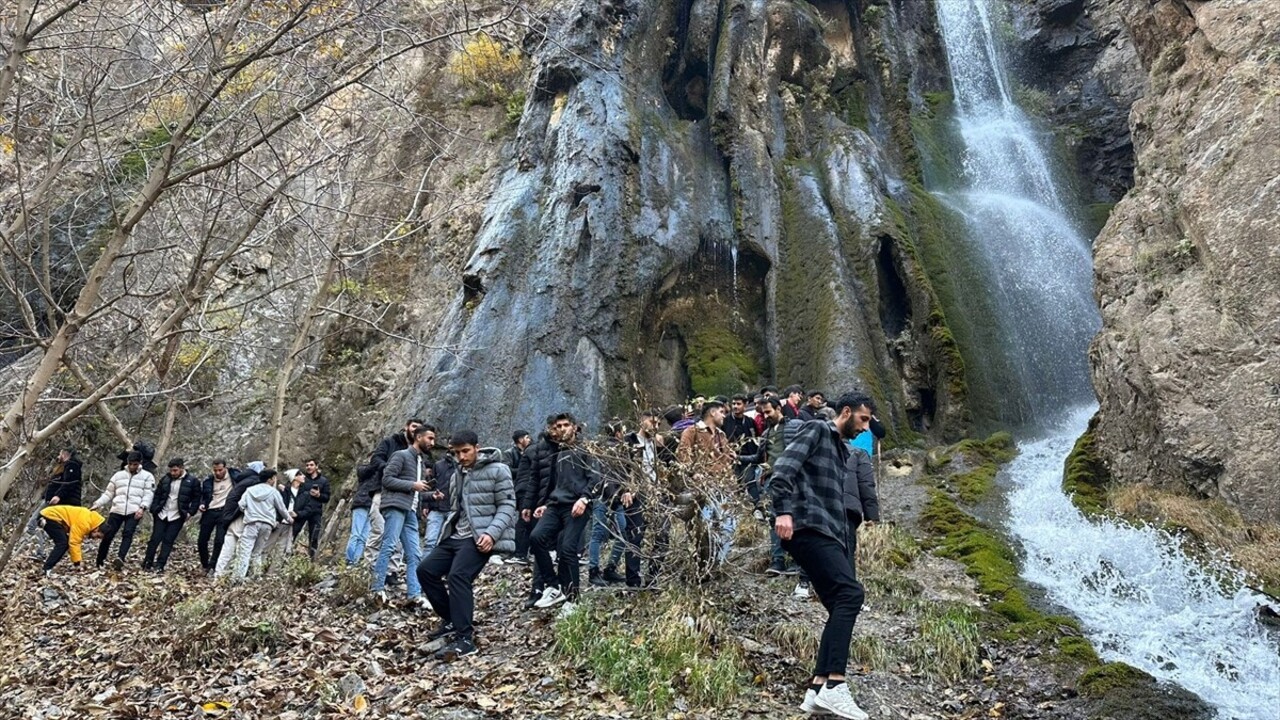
513 456
563 516
534 472
177 497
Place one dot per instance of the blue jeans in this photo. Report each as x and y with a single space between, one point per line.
435 523
401 530
360 525
600 534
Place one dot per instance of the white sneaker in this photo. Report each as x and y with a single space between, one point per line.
839 702
810 704
495 560
801 591
422 602
380 597
550 598
758 515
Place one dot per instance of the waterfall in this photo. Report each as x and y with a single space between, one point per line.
1037 266
1140 599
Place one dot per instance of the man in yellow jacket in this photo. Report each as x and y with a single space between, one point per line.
67 526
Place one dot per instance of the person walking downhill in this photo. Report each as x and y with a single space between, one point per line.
176 499
533 481
373 469
233 517
128 495
213 501
808 491
263 509
308 506
574 482
404 479
481 506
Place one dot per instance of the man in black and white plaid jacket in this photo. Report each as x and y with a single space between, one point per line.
808 489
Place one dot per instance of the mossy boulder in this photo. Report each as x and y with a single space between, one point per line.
1123 691
1086 478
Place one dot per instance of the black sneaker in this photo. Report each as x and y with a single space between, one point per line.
394 578
456 650
533 599
117 564
611 576
595 578
444 629
777 568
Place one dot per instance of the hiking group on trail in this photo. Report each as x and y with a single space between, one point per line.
433 520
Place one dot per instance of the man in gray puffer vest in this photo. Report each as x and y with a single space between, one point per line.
481 521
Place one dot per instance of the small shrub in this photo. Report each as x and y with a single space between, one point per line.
486 68
797 639
871 652
353 584
299 571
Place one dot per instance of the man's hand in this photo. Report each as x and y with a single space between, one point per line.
138 513
539 512
315 491
526 515
484 543
437 496
579 507
54 500
627 499
293 515
782 526
418 486
203 508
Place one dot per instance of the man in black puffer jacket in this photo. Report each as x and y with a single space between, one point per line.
369 477
533 473
177 497
309 505
562 518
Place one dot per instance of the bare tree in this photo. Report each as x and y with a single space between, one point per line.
181 140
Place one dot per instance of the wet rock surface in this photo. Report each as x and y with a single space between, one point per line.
1186 365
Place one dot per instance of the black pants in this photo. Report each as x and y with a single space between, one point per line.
523 530
58 533
558 529
633 537
448 577
827 564
164 533
211 527
110 528
312 524
852 543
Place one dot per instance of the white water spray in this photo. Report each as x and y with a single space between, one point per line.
1140 598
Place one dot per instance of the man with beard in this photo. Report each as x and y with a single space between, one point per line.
213 502
563 515
534 473
808 490
176 498
369 475
404 479
127 495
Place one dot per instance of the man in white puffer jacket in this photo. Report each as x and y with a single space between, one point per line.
128 494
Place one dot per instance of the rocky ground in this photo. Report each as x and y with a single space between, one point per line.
309 642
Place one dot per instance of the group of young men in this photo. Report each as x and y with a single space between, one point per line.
245 518
805 462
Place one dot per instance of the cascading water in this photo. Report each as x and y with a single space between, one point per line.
1141 600
1036 264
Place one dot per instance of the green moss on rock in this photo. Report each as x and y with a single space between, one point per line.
1123 691
1085 476
718 362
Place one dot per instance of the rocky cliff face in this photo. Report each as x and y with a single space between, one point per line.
704 195
1188 274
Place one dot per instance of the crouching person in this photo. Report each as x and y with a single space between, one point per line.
481 507
68 526
263 508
